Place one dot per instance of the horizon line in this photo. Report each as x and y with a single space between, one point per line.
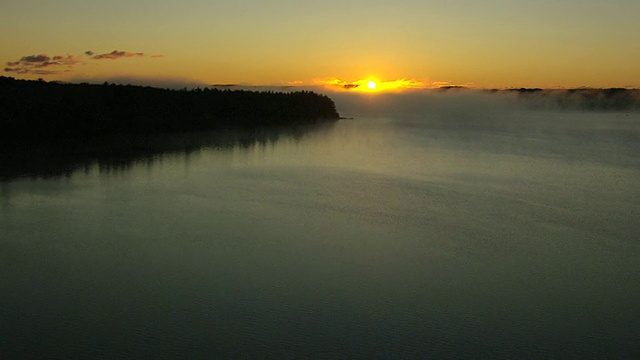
177 84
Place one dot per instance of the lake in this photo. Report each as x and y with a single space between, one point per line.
449 233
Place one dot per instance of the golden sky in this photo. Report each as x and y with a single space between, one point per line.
418 43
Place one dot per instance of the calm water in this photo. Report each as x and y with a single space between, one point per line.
427 236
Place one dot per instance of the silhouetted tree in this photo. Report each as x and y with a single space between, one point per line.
38 112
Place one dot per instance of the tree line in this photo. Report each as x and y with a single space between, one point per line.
39 112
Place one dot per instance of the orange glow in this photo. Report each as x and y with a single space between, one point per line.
371 85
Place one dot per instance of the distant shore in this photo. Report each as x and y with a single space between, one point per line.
589 99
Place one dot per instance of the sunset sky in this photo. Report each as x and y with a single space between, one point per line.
409 43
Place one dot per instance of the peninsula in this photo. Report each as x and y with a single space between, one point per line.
50 114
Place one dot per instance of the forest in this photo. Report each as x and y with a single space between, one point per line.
36 113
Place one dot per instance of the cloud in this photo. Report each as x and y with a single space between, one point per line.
115 54
438 84
35 58
403 84
49 72
14 70
34 64
294 83
340 83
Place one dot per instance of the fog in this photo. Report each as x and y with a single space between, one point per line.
549 123
454 103
461 104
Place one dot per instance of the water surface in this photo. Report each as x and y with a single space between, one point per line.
387 237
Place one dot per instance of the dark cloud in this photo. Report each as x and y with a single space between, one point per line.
48 72
35 58
33 71
14 70
46 63
115 54
35 64
341 84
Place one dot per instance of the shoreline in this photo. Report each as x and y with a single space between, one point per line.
39 113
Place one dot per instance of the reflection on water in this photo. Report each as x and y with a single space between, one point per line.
371 238
120 153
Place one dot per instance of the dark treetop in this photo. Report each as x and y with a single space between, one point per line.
39 113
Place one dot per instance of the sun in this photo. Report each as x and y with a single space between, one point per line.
374 85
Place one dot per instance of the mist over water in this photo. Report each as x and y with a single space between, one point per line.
446 225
